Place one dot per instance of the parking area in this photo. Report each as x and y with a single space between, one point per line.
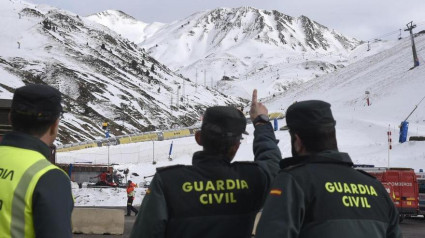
413 227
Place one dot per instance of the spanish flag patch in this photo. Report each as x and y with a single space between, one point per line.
276 192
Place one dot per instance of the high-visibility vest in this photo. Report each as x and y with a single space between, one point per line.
20 170
130 190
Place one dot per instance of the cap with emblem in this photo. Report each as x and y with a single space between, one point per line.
38 101
223 121
309 114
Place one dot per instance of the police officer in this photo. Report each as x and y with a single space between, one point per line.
213 197
35 196
318 193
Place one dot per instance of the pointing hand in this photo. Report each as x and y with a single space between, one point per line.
257 108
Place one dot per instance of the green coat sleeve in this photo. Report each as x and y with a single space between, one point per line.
284 209
266 152
153 216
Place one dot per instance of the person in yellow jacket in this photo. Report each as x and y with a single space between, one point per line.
35 196
130 198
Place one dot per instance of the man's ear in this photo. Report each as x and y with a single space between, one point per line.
198 137
297 142
235 148
299 145
50 135
53 130
232 152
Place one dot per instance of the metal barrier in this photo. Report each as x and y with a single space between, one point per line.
126 139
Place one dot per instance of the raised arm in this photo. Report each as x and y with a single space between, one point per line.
266 151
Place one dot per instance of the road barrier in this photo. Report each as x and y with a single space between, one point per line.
98 221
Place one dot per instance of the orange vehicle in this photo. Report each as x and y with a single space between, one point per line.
404 186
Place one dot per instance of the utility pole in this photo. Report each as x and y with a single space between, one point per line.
153 152
184 89
124 109
389 145
205 77
410 27
178 97
108 154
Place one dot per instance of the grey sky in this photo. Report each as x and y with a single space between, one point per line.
363 19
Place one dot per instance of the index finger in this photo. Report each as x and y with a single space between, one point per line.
254 97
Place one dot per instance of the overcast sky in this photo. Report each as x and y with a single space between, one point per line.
363 19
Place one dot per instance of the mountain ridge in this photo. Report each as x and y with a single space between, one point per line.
101 75
235 42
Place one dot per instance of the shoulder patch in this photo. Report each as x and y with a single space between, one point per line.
366 173
161 169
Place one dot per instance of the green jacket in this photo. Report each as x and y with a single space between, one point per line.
211 198
323 196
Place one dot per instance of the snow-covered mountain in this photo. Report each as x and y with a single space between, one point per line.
102 76
239 43
126 25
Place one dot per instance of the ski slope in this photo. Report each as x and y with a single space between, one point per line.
361 129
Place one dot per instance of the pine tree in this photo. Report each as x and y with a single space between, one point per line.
133 64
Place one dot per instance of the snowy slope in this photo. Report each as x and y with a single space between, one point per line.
126 25
240 43
361 129
102 76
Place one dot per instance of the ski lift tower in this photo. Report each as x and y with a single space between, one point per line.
410 27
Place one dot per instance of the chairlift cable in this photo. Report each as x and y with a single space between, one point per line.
416 106
393 32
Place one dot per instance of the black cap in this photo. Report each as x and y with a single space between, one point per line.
36 100
223 121
309 114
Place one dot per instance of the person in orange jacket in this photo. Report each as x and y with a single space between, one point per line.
130 198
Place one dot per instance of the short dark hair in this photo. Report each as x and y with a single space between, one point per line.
30 124
318 139
218 145
35 107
